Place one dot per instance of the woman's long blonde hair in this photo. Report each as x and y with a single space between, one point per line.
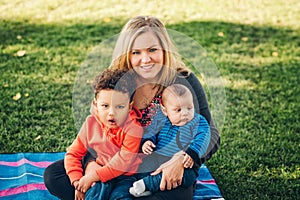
135 27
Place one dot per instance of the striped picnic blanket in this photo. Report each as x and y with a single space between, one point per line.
21 177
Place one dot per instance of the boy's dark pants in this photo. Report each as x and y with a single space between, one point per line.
117 188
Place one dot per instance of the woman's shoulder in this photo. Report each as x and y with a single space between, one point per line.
188 79
189 76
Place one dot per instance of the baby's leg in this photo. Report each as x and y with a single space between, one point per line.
121 188
138 188
146 186
189 177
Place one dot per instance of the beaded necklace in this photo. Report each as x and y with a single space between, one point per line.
149 112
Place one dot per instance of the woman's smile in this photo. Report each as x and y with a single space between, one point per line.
146 56
147 67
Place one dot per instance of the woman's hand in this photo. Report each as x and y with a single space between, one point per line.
188 162
172 172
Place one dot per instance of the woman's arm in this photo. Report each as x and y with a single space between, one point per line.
172 172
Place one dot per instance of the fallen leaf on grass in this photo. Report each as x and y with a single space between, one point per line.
17 96
37 138
89 81
204 54
245 39
274 54
220 34
107 19
21 53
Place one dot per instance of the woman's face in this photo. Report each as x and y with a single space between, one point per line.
146 56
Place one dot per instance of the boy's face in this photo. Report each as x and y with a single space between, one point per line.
179 110
113 107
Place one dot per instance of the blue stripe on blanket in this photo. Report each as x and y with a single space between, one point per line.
21 177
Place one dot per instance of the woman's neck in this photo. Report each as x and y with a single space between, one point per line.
141 81
144 94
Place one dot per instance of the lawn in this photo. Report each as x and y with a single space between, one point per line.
254 44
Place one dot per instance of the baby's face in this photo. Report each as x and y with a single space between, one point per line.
180 110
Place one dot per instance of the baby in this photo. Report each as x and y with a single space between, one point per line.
183 130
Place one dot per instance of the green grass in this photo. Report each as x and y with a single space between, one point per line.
258 57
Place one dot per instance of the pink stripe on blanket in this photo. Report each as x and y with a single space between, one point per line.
22 189
210 181
23 161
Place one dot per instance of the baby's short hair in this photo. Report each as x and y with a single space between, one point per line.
177 89
115 79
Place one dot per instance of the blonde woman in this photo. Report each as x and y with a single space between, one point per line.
145 47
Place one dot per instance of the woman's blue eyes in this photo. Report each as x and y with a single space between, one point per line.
153 50
150 50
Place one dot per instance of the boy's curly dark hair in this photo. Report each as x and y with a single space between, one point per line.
115 79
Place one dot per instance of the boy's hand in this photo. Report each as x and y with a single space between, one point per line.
148 147
83 184
86 181
79 195
188 162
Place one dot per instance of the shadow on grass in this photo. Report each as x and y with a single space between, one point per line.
260 132
206 33
53 35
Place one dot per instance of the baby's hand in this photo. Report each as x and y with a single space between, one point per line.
148 147
188 162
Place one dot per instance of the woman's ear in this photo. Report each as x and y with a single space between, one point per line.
163 109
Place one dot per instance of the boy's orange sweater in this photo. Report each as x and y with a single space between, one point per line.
117 149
